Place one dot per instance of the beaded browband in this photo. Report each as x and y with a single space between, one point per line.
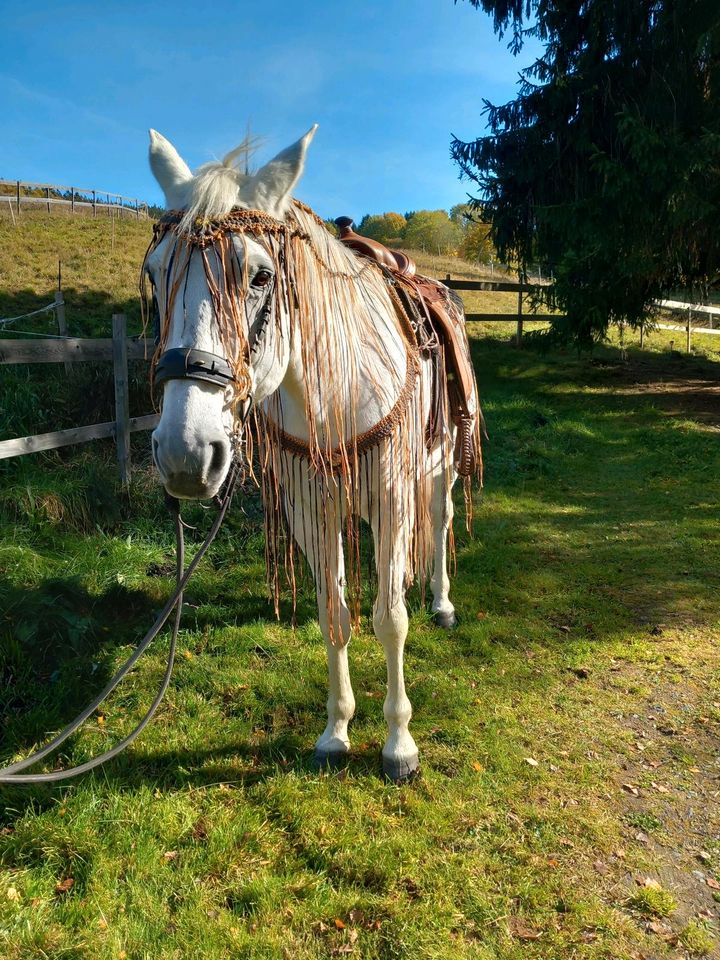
205 232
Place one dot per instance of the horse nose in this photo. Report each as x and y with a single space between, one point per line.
192 472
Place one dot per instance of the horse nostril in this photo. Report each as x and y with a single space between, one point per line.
217 460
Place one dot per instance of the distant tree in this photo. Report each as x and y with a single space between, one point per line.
463 215
384 227
330 227
477 245
432 230
606 166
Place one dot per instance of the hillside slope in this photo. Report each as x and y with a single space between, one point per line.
100 262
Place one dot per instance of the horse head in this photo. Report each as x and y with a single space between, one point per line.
220 306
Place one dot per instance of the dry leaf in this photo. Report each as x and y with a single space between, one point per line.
660 788
532 762
339 925
170 855
522 930
477 766
629 788
642 837
64 885
712 883
648 883
601 868
101 720
12 894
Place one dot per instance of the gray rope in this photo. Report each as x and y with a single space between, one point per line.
33 313
11 774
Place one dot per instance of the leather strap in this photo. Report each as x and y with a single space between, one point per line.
185 363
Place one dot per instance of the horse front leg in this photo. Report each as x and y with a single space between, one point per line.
324 553
390 623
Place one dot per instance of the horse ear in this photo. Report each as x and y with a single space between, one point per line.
169 169
271 186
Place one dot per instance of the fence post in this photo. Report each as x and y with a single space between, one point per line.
519 331
94 203
687 330
72 199
642 335
47 197
122 399
17 196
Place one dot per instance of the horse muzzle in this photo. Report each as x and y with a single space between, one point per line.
191 472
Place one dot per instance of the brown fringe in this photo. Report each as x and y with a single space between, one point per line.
316 490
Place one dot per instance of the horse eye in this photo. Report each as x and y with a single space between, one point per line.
262 278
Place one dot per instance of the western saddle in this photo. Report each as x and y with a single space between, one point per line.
432 305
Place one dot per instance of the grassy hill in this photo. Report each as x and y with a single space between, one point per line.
568 728
99 259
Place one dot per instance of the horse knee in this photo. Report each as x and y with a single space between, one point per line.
390 623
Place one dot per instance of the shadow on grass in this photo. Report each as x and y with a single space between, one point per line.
598 521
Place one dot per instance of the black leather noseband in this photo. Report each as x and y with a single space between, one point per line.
185 363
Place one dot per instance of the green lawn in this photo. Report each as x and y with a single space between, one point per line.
568 728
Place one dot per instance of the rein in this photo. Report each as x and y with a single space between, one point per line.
12 774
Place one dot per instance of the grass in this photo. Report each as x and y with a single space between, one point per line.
589 606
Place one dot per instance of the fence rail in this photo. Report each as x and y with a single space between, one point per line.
514 286
119 349
19 193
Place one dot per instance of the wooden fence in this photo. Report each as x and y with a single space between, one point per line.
14 194
501 286
687 311
69 350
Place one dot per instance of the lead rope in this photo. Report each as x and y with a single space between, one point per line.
10 774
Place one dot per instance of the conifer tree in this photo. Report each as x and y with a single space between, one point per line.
606 166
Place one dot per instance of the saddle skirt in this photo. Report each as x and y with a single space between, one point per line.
439 323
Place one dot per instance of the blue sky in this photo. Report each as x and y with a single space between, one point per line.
388 82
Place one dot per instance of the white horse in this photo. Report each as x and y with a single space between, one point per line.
258 302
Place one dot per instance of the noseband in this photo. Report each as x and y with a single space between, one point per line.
186 363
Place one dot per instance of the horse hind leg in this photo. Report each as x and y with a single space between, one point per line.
442 517
390 623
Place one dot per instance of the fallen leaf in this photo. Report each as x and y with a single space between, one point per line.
601 868
339 925
101 720
531 762
659 787
649 883
12 894
658 927
170 855
522 930
477 766
629 788
642 837
187 654
102 923
64 885
712 883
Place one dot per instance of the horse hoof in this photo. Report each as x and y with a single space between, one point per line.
401 771
329 759
446 620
